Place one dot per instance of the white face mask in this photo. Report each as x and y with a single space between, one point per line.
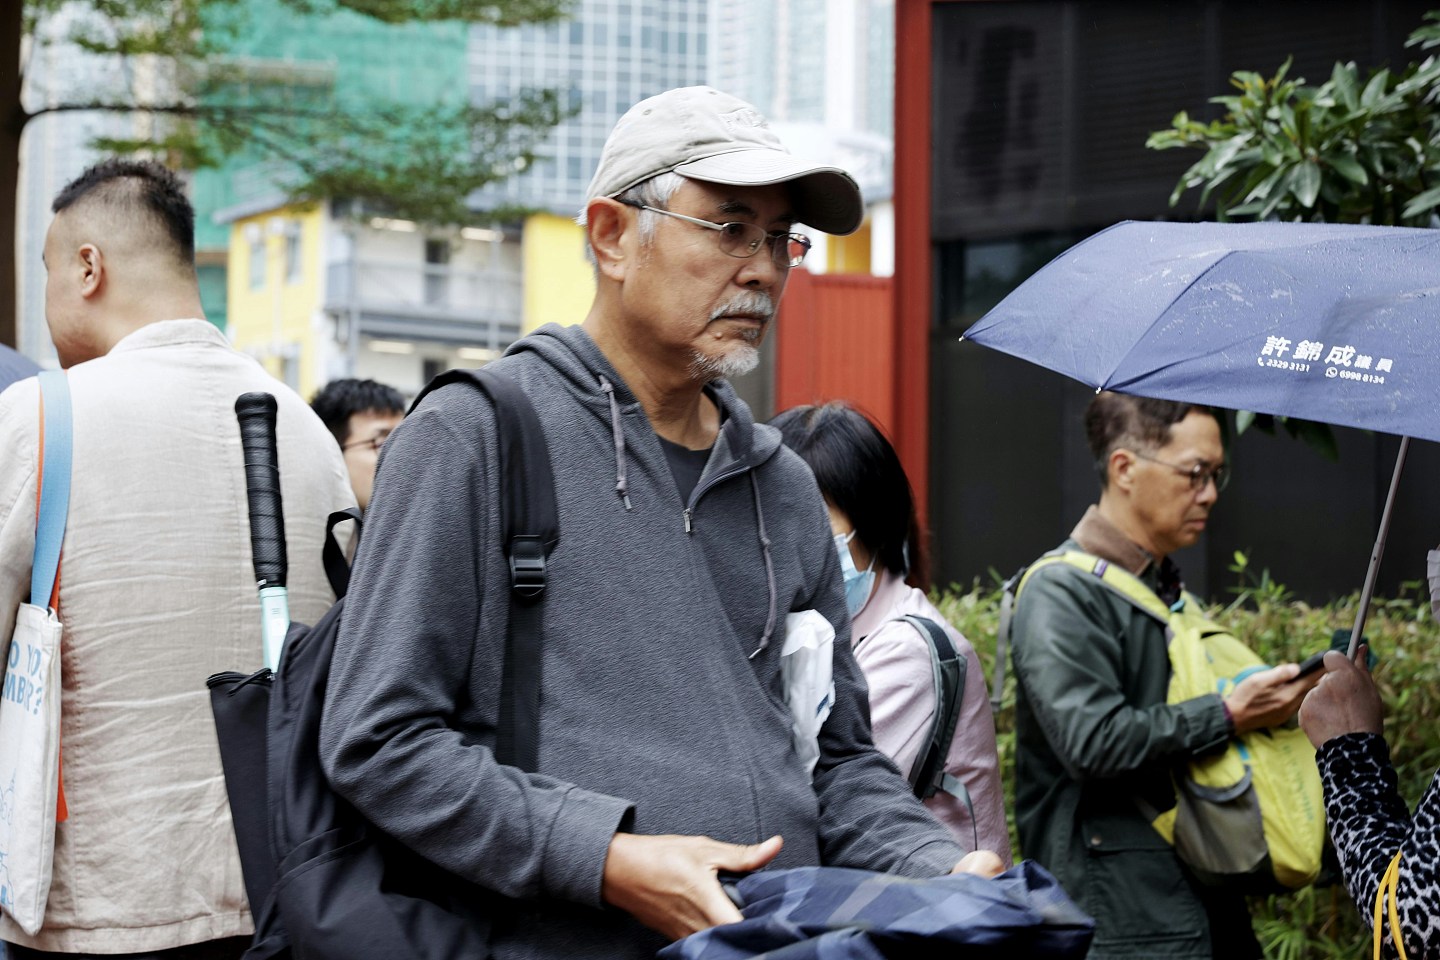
858 583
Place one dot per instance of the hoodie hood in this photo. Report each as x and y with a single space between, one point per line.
740 448
571 352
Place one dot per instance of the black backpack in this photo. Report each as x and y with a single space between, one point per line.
323 882
947 669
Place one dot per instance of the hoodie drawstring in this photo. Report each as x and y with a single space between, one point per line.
622 488
769 568
623 491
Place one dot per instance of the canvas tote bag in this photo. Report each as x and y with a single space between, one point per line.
30 798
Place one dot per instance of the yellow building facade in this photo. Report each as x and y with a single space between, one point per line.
274 285
849 254
411 314
559 281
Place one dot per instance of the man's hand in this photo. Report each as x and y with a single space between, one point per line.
668 883
982 863
1268 698
1344 701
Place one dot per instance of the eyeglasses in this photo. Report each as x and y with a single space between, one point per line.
374 443
744 240
1199 475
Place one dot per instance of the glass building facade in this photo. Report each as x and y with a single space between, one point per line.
606 57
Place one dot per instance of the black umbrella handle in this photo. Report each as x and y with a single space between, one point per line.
256 414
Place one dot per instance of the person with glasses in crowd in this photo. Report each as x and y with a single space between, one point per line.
361 414
1096 740
688 533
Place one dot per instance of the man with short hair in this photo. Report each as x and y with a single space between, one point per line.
1095 739
360 414
687 534
157 590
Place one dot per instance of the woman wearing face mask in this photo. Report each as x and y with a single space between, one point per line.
872 514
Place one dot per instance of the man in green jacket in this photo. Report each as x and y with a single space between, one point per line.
1096 740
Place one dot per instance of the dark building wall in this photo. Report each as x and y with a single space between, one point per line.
1041 108
1040 114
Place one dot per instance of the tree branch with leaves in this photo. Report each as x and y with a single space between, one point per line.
1355 149
203 104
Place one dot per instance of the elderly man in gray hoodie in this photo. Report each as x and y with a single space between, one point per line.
688 533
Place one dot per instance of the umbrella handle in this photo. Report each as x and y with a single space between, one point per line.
256 415
1378 551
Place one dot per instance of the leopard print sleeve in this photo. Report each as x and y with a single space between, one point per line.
1369 823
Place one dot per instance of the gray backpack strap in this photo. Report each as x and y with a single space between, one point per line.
1002 639
948 669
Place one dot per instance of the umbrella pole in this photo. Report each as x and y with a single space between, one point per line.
1378 552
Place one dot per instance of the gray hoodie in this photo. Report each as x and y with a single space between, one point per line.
661 703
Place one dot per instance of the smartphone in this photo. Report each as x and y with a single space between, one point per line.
1311 663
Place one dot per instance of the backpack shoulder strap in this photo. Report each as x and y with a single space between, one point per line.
1122 582
947 668
527 488
337 568
1002 638
1134 590
1008 595
531 530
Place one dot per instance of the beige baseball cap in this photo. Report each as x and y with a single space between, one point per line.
703 134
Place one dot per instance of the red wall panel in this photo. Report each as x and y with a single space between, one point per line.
837 340
867 339
914 285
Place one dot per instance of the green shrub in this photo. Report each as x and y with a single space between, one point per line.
1318 922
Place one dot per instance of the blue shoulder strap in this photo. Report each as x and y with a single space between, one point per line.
55 488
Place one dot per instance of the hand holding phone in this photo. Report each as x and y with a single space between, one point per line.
1316 661
1345 700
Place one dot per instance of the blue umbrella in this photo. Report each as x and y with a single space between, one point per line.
834 913
1329 322
14 366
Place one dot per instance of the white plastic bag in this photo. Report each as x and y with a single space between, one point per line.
807 663
29 765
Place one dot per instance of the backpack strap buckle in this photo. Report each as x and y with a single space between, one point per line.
527 567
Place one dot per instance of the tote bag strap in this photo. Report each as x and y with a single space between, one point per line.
53 488
52 492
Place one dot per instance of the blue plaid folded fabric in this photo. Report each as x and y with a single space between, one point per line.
830 913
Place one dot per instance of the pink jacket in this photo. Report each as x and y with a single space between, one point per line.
896 662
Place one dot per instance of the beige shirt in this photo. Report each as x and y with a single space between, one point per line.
157 593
